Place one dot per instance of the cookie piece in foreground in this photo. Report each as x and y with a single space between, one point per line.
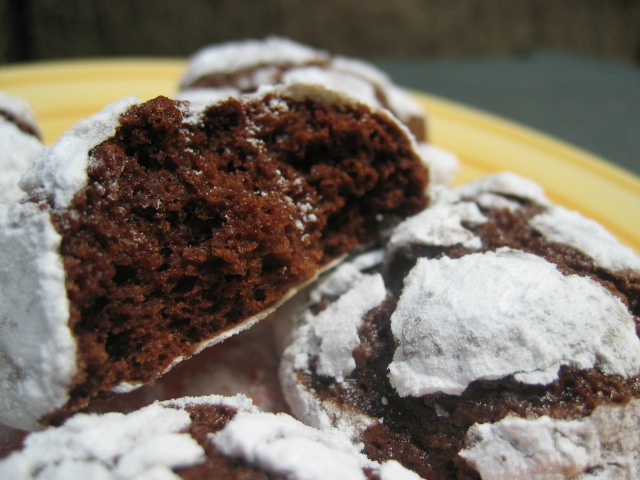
20 143
154 230
498 340
192 438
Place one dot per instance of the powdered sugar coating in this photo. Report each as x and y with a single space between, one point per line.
239 402
199 99
443 164
452 211
148 443
560 225
399 101
604 445
443 224
556 223
20 110
18 151
491 315
34 374
280 444
304 342
61 171
336 328
491 191
154 443
345 275
336 80
504 315
233 56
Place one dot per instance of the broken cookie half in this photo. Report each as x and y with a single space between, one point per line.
155 229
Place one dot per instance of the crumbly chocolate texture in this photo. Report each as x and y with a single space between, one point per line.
426 433
187 228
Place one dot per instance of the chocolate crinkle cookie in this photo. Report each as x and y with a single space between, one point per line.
495 338
155 229
244 66
193 438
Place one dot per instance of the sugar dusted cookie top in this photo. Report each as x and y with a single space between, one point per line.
220 437
491 330
449 332
244 55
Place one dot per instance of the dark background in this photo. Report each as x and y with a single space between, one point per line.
570 68
52 29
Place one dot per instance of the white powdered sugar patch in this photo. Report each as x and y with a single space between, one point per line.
440 225
239 402
393 470
232 56
490 315
345 275
354 86
61 170
359 68
445 223
278 443
346 282
19 109
443 165
399 101
604 445
145 444
402 104
494 191
18 151
34 373
199 99
336 328
302 91
589 237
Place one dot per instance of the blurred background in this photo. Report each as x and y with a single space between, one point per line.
570 68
